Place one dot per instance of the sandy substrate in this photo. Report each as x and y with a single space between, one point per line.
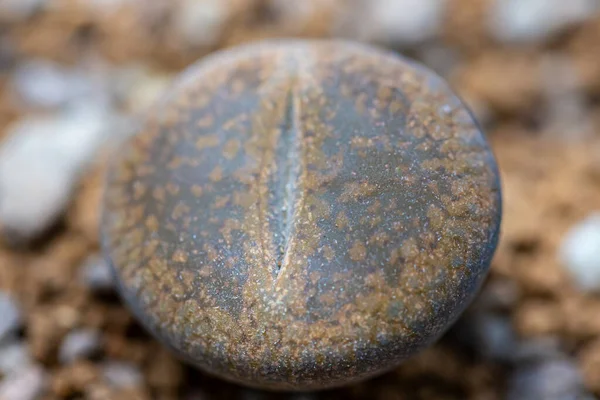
533 333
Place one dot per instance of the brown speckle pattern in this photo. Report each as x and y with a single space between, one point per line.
302 214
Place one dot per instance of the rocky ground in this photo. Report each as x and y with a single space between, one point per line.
76 76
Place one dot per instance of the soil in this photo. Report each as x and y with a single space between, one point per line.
542 124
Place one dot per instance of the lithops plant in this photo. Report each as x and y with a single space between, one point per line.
302 214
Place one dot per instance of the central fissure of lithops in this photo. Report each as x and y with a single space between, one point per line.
287 167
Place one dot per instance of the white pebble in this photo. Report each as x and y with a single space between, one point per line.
580 253
40 162
490 335
537 20
139 87
79 344
10 316
122 375
405 22
14 357
96 274
27 384
201 22
545 381
48 85
496 338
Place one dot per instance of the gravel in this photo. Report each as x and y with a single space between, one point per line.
108 6
536 20
554 380
566 107
140 87
14 357
45 84
580 253
97 275
405 22
79 344
26 384
495 337
539 349
544 192
10 314
201 22
19 10
122 375
442 59
491 336
498 295
46 155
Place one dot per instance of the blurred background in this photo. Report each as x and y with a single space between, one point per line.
77 75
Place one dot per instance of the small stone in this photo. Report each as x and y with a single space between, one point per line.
97 275
19 10
442 59
581 320
566 109
297 15
14 357
10 319
554 380
122 375
495 337
537 20
405 22
46 155
580 253
139 87
75 378
27 384
492 336
538 349
498 295
79 344
48 85
538 317
201 22
108 6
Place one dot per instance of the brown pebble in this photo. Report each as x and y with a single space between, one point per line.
538 318
74 379
581 316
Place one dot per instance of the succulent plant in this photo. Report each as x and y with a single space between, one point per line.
302 214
